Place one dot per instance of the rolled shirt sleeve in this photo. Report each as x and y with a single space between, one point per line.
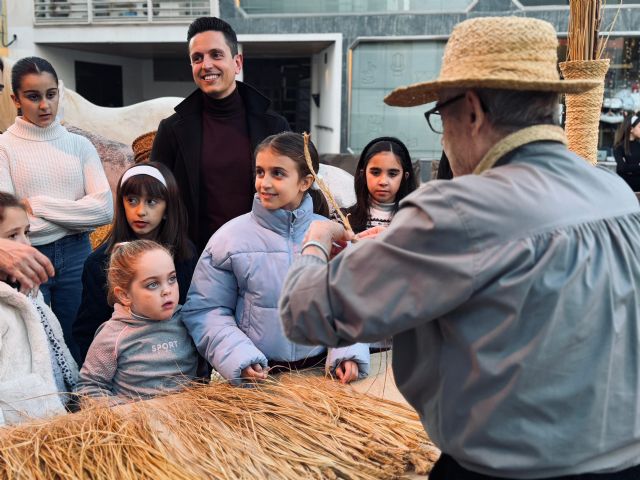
412 273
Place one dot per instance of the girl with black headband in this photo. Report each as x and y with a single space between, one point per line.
626 150
383 177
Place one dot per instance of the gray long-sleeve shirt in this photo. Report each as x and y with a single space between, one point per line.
514 301
132 357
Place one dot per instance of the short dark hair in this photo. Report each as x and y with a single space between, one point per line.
27 66
206 24
172 231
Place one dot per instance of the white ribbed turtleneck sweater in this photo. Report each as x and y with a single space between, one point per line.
61 176
380 214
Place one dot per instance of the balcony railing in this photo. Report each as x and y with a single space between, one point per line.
48 12
330 7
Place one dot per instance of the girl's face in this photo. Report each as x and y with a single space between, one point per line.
384 174
38 98
278 182
153 292
635 132
15 225
144 214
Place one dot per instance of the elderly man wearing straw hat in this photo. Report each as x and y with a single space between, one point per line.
512 291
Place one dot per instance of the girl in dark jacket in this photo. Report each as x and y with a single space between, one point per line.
148 206
626 150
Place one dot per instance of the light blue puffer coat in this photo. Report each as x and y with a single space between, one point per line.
232 306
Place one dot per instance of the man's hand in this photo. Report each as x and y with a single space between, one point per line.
23 264
330 234
371 233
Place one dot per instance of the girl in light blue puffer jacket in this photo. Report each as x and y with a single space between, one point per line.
232 306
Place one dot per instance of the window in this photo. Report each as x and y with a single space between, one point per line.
378 68
291 7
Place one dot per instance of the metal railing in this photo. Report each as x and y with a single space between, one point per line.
330 7
48 12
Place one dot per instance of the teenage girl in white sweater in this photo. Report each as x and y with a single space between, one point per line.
60 180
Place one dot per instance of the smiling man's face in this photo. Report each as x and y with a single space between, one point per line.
213 65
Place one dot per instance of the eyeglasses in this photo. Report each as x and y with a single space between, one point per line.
434 120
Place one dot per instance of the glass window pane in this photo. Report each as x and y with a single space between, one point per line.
378 68
258 7
555 3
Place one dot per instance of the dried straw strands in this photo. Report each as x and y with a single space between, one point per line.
292 428
323 186
585 17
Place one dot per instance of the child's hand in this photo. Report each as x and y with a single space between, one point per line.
347 371
254 372
370 233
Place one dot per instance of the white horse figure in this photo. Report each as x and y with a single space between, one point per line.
122 124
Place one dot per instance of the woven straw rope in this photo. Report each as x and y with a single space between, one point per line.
583 109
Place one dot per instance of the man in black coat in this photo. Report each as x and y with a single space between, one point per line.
209 142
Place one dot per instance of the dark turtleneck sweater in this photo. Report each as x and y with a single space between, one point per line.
226 176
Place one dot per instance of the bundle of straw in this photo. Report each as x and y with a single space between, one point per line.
297 427
323 186
585 17
585 49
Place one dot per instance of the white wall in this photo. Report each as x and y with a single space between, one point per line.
63 60
326 80
152 89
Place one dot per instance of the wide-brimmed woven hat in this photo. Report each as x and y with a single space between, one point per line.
141 147
510 53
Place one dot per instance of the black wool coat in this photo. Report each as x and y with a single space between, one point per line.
178 143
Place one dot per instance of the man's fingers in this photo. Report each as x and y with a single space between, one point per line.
26 280
372 232
24 264
33 271
46 263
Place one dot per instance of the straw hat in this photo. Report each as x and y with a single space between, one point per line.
510 53
142 147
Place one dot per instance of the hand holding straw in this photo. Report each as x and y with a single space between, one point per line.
323 186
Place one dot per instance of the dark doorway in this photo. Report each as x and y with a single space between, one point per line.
99 83
287 83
